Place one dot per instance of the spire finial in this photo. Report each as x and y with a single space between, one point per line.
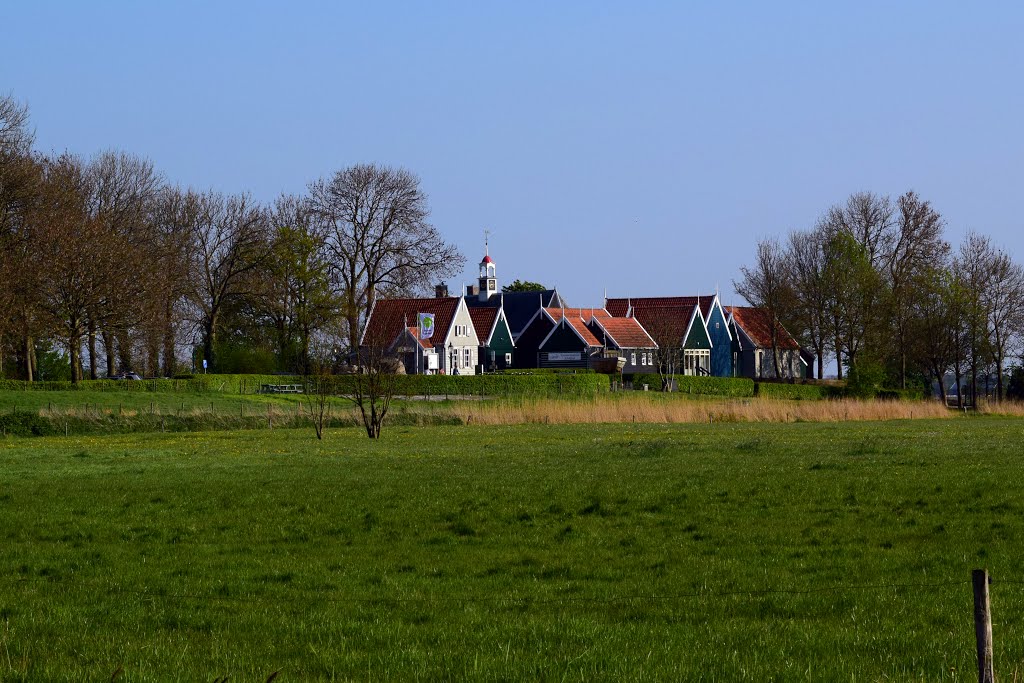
487 239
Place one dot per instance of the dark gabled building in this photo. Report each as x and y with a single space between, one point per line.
497 350
570 343
629 340
681 320
752 346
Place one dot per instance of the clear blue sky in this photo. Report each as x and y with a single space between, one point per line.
638 147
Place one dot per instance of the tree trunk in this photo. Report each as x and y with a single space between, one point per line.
92 349
170 358
152 354
210 339
124 351
74 342
108 348
999 376
29 368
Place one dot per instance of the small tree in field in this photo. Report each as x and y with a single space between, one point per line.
374 386
320 386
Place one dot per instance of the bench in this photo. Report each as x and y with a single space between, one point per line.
281 389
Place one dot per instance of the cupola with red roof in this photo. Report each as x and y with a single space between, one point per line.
488 273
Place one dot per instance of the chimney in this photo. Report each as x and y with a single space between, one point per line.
472 290
441 291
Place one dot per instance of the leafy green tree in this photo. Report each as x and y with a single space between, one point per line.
299 298
524 286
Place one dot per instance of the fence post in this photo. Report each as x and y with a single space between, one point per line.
983 626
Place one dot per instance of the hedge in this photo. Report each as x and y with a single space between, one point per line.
235 384
734 387
540 384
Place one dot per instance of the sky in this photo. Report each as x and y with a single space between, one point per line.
638 149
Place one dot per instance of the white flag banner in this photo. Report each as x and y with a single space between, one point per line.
426 325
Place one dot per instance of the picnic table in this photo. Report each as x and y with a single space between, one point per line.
281 389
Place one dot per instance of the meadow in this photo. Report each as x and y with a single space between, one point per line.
726 551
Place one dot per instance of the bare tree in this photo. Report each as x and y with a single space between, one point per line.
177 215
667 332
974 272
868 219
379 238
916 248
1003 301
122 189
374 386
931 323
805 260
229 242
768 286
82 254
320 386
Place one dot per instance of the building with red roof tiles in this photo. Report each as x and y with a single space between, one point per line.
755 348
451 347
628 338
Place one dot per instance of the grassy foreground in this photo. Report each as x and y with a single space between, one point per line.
583 552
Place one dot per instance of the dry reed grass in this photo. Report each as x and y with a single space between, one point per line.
653 410
1008 408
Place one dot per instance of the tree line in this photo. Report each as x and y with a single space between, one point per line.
875 285
106 266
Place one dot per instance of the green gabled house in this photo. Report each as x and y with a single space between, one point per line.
497 350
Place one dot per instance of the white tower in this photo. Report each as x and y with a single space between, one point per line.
488 273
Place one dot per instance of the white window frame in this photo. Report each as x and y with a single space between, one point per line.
696 358
632 358
467 355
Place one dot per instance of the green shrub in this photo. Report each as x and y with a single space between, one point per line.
26 424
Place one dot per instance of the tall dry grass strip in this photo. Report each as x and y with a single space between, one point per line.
655 411
1008 408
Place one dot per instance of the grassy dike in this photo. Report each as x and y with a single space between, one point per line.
541 552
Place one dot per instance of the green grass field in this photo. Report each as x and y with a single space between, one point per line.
622 552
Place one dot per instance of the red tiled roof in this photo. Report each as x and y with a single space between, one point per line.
483 321
578 318
705 302
389 316
414 332
757 325
627 333
665 318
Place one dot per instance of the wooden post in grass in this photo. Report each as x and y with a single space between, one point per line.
983 626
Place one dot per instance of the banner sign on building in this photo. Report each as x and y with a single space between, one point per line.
426 325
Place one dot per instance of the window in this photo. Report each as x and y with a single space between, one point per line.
697 362
508 359
632 358
467 357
